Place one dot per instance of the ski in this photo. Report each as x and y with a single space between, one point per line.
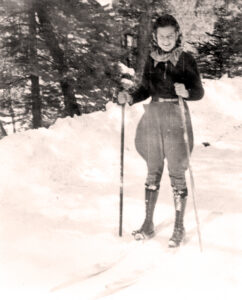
98 270
120 284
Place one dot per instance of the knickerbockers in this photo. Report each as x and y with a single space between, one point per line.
160 135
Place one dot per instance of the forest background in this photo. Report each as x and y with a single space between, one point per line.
62 57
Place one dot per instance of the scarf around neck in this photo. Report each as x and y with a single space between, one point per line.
172 56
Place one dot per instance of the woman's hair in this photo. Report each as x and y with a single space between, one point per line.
166 20
169 20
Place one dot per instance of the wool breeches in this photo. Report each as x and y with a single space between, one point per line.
160 136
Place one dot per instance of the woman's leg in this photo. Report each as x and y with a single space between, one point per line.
176 153
149 144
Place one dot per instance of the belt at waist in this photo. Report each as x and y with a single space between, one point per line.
165 100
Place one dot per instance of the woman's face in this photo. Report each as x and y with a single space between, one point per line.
166 38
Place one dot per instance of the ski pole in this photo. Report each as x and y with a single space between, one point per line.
121 172
182 108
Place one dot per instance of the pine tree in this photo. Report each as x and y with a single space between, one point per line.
60 58
25 65
222 53
87 50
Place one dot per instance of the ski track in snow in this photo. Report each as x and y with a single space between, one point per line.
59 201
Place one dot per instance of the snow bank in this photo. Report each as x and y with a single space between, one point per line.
77 152
217 118
86 149
59 196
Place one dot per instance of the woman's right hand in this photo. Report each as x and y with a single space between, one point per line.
124 97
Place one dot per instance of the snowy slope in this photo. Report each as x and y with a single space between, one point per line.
59 197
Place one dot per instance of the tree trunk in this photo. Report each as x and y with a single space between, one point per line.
143 40
36 101
47 31
3 131
35 88
227 5
12 115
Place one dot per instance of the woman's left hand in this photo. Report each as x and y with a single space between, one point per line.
181 90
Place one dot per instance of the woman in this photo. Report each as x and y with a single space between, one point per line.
169 72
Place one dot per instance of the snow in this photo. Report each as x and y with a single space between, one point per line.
59 197
105 2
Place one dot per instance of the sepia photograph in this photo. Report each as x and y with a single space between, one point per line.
120 149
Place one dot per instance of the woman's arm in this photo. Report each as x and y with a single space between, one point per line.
143 92
193 80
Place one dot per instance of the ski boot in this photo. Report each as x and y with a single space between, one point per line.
147 229
180 199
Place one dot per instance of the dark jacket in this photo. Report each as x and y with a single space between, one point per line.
159 78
